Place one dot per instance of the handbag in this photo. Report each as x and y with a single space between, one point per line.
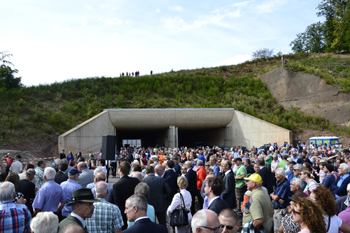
179 217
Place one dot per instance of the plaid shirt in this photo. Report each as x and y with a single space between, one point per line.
14 218
39 177
106 218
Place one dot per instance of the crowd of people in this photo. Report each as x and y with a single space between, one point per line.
305 188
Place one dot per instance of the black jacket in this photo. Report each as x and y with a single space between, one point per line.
217 205
160 192
229 193
146 226
171 179
267 179
192 182
122 190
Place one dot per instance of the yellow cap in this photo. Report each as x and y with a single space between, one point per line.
255 177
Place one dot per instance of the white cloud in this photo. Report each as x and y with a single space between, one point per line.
269 6
157 10
240 58
104 6
114 21
89 7
59 27
176 8
240 4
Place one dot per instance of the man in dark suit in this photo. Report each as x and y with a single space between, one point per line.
136 211
266 176
83 202
124 188
170 177
213 188
60 175
229 193
339 187
159 196
192 184
177 167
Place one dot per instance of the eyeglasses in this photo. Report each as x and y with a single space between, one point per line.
295 170
216 229
228 227
295 212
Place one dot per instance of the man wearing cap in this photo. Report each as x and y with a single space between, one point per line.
83 208
259 208
280 197
50 197
106 217
68 188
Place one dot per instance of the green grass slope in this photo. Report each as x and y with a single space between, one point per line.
31 118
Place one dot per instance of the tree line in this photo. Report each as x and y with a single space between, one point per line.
332 35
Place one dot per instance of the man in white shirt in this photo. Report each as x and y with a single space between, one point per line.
16 166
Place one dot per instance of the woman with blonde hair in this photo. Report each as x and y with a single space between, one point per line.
179 199
311 184
309 214
324 197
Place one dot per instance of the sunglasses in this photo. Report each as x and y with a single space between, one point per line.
295 212
216 229
228 227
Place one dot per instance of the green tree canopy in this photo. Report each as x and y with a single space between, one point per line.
7 74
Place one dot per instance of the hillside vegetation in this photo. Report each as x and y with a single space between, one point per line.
31 118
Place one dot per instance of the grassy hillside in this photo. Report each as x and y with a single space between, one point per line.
31 118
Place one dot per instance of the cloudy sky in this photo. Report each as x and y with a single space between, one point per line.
52 41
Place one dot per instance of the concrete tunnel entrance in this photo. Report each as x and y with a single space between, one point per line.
172 136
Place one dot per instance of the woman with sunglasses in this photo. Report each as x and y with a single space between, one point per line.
309 215
325 198
311 184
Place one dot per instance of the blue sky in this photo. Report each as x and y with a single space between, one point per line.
52 41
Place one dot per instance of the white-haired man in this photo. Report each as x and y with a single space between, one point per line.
99 175
68 188
50 197
14 217
106 217
44 222
280 197
338 188
205 221
87 175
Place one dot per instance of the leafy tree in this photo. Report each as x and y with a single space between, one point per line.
341 29
7 78
312 40
330 10
262 53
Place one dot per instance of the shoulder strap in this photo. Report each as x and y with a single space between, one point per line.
329 222
182 199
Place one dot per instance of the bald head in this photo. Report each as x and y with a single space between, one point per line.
101 189
159 169
207 218
100 177
82 166
188 164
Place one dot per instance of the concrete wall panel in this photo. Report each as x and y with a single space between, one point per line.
88 135
251 131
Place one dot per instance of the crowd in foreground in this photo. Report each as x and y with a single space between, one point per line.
274 188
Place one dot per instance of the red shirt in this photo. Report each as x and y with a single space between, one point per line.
9 161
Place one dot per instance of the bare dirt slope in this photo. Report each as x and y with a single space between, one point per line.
309 93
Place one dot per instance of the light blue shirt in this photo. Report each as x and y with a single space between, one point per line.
206 203
68 187
340 182
109 197
151 214
216 170
48 197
